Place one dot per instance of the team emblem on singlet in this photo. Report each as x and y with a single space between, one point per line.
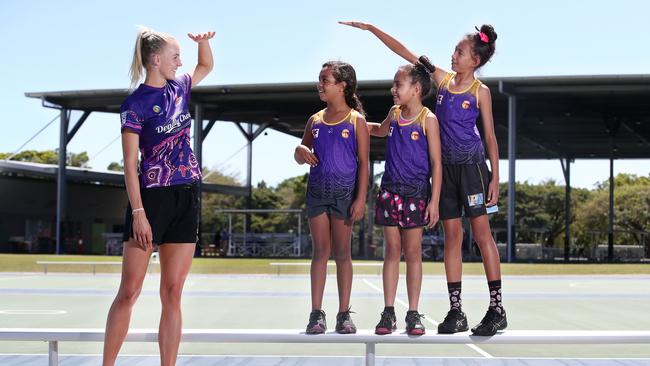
390 131
415 135
315 132
465 104
345 133
156 109
440 99
178 100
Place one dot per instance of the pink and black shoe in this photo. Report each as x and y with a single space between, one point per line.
317 324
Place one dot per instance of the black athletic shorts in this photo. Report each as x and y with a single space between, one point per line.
172 211
331 206
464 190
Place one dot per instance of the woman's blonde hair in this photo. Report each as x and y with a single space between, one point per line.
147 43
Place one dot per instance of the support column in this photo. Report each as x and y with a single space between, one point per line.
610 216
612 125
61 184
512 148
249 167
566 169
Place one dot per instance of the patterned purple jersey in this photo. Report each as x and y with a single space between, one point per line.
457 113
335 146
408 169
161 117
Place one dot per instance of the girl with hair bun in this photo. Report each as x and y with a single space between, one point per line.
468 186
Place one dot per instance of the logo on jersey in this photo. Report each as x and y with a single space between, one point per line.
314 132
475 199
439 99
173 124
390 131
345 133
415 135
178 100
465 104
156 109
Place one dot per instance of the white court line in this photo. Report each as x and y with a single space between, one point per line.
404 304
32 312
16 278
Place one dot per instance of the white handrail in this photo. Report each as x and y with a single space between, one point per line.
367 337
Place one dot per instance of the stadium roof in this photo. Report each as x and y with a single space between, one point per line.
557 116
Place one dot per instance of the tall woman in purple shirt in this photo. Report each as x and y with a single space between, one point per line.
468 188
162 188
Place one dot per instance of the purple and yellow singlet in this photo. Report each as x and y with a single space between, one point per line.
457 113
335 146
408 168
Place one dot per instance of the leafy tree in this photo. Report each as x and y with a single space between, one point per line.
115 166
48 157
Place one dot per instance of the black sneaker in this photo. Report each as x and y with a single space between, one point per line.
413 323
387 324
317 324
454 322
491 323
344 324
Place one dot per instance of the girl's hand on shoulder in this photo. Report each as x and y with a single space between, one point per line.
201 37
357 210
431 215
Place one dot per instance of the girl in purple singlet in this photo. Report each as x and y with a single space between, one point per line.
335 145
410 190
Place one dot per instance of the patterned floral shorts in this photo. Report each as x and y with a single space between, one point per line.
392 209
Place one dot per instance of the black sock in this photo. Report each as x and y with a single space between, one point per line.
390 309
454 295
495 296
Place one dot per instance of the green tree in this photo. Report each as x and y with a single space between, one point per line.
631 207
540 213
48 157
115 166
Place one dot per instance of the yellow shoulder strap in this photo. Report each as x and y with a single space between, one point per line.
475 89
423 119
396 112
446 80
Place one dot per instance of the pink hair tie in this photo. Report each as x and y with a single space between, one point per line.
482 36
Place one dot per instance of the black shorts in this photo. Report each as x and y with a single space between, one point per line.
172 211
464 190
331 206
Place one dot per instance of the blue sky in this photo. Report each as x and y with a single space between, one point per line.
75 45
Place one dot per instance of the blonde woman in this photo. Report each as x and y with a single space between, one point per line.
162 187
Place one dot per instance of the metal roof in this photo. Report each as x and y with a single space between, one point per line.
557 116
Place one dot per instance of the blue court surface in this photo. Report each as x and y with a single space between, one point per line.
283 302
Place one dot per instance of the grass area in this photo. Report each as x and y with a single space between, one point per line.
27 263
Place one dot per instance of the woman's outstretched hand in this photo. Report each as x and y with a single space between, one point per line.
200 37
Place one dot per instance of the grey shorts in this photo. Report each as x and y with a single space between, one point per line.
331 206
